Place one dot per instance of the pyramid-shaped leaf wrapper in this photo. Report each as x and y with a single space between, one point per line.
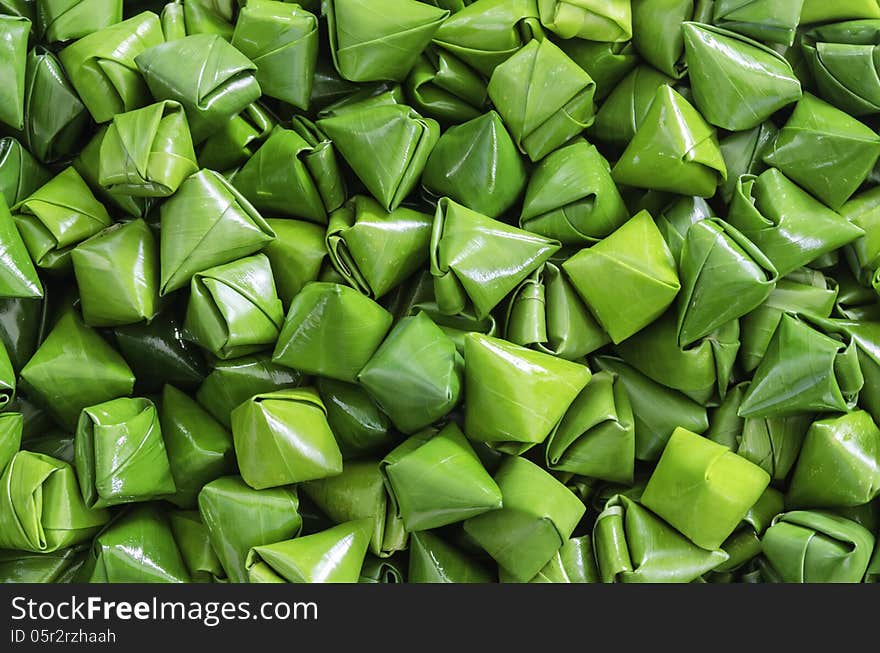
359 492
674 150
737 83
101 66
117 275
120 453
25 567
595 20
596 437
147 152
772 443
487 32
805 546
723 277
545 313
283 437
57 217
54 116
745 543
863 254
803 370
633 545
11 425
209 17
335 555
210 78
628 279
239 518
373 40
785 222
199 448
825 150
41 508
771 21
839 463
574 562
65 20
75 368
514 396
703 489
357 422
192 539
296 255
18 277
538 515
436 479
443 87
385 143
476 261
842 59
139 547
415 374
373 250
816 11
607 63
282 41
676 218
478 165
544 97
233 308
13 63
743 154
657 33
206 223
331 330
20 173
623 112
432 560
238 140
571 196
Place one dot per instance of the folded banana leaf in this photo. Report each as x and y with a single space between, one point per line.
13 63
194 544
744 153
872 575
574 562
478 165
11 427
785 222
379 129
206 223
769 21
632 545
594 20
571 196
546 314
117 275
359 492
866 336
23 8
515 397
816 11
825 150
674 150
209 17
676 218
233 308
432 560
7 382
442 87
74 368
543 109
538 516
199 449
139 547
657 34
607 63
855 301
373 250
54 116
282 41
41 509
702 488
173 21
466 276
357 422
487 32
817 547
863 254
737 83
436 479
296 255
635 261
24 567
120 453
623 112
101 66
64 20
415 375
376 570
18 277
804 370
335 555
744 545
236 141
20 173
210 78
239 518
367 47
839 463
